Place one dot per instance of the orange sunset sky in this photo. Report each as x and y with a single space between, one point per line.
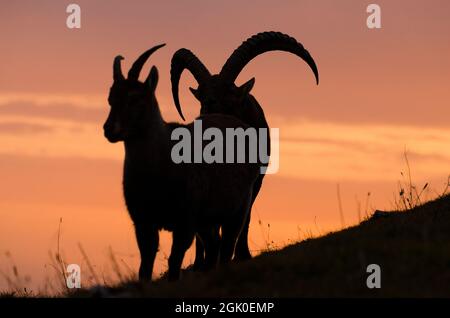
381 92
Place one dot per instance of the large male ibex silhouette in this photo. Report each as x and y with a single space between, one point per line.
187 199
219 94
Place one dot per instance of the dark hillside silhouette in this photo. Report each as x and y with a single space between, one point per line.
411 247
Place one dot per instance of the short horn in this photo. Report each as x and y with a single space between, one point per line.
135 70
181 60
117 69
262 43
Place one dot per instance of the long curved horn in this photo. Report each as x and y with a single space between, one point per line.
181 60
259 44
117 69
136 68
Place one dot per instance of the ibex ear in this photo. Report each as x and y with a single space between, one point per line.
247 86
152 79
194 92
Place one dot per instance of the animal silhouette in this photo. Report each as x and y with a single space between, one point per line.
219 94
186 199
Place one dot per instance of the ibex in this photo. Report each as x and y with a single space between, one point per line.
218 94
186 199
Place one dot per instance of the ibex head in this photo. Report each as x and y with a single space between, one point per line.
218 93
129 99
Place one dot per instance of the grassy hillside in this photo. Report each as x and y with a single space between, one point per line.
412 249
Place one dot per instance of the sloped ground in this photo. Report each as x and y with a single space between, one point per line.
412 248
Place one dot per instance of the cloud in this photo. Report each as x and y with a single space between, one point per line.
21 128
60 111
327 142
62 180
320 150
331 151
